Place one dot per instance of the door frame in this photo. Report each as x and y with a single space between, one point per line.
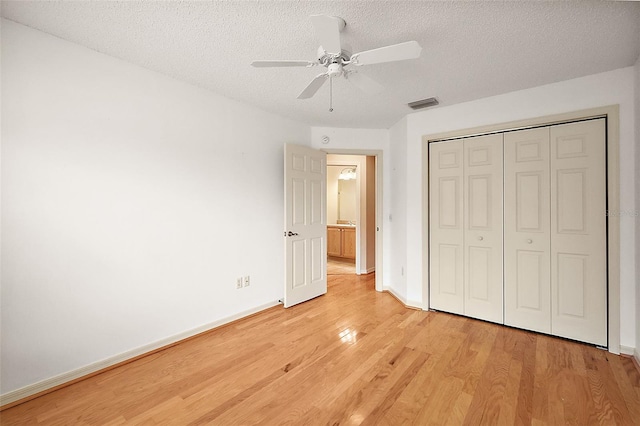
379 229
612 114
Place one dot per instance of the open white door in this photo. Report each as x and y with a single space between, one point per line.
305 223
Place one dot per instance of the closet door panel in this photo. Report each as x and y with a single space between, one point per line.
578 231
527 287
446 239
483 228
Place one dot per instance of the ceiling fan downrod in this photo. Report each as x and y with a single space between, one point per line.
330 94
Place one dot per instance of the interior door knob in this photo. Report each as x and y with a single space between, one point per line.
529 241
291 234
480 238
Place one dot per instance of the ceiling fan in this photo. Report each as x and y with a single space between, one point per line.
338 62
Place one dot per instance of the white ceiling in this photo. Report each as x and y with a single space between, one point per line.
470 49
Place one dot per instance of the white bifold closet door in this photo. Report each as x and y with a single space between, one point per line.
465 201
554 246
527 230
578 231
446 232
483 228
555 230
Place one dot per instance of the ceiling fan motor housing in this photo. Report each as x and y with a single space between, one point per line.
334 70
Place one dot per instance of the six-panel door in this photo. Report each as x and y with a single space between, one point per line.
305 224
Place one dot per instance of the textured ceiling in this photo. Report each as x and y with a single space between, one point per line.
470 49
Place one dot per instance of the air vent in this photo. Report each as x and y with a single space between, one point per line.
425 103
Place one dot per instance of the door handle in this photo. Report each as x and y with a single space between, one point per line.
529 241
480 238
291 234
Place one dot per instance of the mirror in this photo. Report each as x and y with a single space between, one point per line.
347 200
341 194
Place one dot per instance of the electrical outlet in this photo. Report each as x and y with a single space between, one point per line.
247 281
239 282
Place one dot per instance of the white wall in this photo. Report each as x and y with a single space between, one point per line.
130 204
332 193
356 141
614 87
398 210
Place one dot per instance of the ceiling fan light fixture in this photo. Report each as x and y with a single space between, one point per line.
424 103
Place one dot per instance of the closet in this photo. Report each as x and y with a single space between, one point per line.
517 229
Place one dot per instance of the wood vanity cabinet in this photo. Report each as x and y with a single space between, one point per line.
349 243
334 241
341 242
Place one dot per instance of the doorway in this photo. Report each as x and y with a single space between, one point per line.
305 221
351 214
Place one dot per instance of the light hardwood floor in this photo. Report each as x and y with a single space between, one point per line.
340 266
354 356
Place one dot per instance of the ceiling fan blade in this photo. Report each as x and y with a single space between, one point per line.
328 32
265 64
395 52
313 87
365 83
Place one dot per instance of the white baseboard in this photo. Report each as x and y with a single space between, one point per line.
636 355
627 350
69 376
402 299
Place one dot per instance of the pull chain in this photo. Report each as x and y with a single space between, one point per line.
330 94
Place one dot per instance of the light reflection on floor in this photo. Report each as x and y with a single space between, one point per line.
348 336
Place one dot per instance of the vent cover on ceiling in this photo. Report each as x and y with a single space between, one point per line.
424 103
